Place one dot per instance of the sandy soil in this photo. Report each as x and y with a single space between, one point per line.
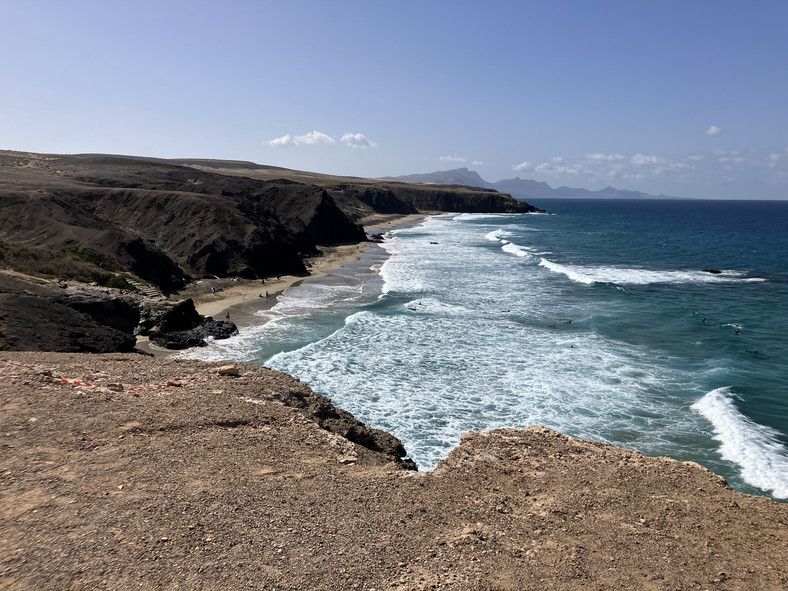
213 483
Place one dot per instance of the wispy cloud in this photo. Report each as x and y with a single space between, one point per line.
311 138
713 130
357 140
460 159
606 167
605 157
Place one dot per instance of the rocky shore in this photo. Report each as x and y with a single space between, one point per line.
123 471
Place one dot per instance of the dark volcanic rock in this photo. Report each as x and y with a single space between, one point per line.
40 316
460 199
380 199
180 326
118 312
33 323
318 408
196 337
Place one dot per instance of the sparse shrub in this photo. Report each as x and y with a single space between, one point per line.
119 282
71 262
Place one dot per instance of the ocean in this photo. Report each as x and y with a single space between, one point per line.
600 319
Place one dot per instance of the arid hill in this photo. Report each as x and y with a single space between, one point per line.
121 471
168 221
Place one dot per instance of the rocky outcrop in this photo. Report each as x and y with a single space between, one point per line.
378 199
180 326
48 317
71 317
319 409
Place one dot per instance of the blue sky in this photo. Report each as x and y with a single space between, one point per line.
686 98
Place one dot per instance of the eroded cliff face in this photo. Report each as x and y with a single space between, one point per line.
253 481
167 223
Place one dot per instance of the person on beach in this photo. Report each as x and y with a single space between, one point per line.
266 295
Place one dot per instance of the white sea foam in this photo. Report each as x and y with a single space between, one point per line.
497 235
420 375
633 276
515 249
755 448
476 216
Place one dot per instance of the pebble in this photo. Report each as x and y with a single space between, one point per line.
228 370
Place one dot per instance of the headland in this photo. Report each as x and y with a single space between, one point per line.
124 471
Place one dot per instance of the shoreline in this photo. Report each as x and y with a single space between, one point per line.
240 300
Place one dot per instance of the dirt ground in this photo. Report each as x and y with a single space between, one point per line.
213 483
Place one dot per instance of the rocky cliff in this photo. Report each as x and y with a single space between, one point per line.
162 473
169 221
166 223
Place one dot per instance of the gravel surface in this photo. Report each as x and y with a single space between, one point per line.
252 481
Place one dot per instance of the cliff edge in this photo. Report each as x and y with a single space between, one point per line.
120 471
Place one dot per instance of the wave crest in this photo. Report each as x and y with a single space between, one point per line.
755 448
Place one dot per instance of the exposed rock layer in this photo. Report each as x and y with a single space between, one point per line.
215 484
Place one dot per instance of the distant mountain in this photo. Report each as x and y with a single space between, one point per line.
523 188
457 176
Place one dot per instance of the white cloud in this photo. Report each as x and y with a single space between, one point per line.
713 130
477 163
523 166
311 138
315 137
283 142
641 160
605 157
357 140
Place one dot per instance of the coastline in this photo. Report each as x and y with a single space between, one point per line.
241 299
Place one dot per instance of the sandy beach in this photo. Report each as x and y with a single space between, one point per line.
242 298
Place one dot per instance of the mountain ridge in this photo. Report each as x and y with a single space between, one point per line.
522 188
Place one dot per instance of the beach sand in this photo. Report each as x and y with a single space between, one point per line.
241 299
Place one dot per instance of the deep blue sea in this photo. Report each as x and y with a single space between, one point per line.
596 319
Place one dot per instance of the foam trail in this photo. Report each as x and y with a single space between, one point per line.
755 448
632 276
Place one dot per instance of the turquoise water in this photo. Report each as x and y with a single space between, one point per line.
596 319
